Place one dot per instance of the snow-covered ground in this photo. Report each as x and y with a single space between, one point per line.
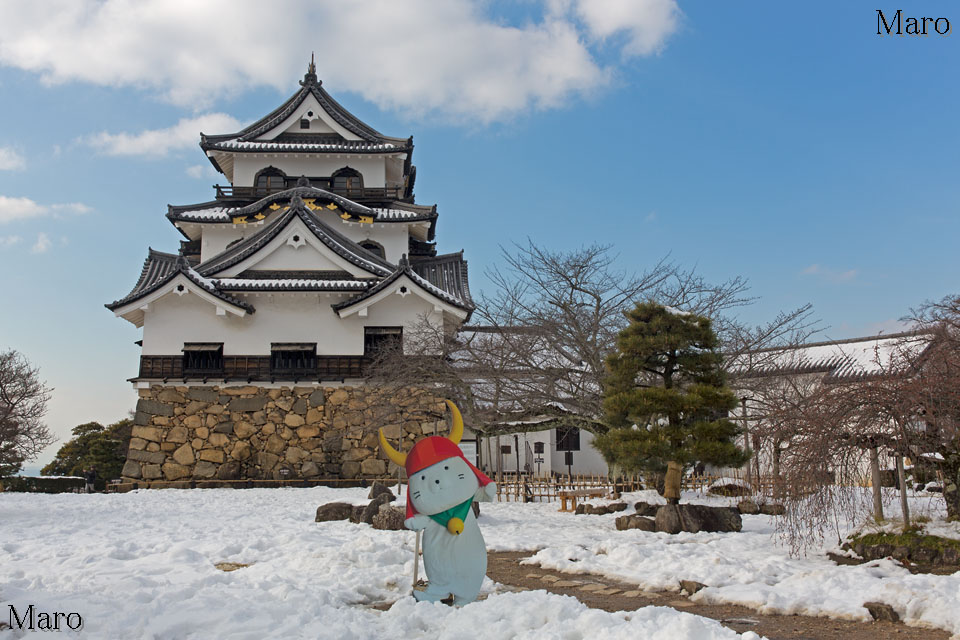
141 565
752 568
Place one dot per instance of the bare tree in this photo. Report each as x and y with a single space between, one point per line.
23 403
837 426
534 356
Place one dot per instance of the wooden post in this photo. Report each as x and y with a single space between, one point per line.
416 560
672 482
903 491
876 482
499 460
516 451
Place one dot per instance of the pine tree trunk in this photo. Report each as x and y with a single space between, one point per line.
671 488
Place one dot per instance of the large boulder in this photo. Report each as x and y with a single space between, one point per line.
333 511
377 488
694 518
636 522
389 518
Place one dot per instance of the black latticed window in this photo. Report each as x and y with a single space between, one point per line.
269 180
347 180
203 357
568 439
378 339
538 447
293 358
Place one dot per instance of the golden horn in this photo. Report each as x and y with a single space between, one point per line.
456 432
399 459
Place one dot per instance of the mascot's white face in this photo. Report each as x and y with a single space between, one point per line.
442 486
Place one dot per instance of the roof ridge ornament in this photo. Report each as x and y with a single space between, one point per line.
310 77
303 181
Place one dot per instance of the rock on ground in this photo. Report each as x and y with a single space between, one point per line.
693 518
389 517
636 521
748 507
378 488
333 511
881 611
646 509
772 509
371 509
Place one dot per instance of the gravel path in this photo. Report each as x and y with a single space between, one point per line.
610 595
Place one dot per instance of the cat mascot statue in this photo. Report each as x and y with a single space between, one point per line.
442 485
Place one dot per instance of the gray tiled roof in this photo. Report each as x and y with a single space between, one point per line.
160 268
448 272
217 212
371 140
838 360
336 241
404 269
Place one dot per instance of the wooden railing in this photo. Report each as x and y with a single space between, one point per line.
546 488
355 193
251 368
533 488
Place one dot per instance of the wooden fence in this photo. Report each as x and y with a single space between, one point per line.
533 488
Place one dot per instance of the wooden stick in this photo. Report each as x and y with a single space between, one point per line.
416 560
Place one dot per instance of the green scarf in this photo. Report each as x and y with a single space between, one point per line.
459 511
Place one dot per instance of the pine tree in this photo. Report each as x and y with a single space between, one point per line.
665 399
92 445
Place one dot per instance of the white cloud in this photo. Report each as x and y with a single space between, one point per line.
10 160
160 142
455 58
202 172
642 22
9 241
42 245
831 275
24 209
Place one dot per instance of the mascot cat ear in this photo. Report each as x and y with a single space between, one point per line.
456 433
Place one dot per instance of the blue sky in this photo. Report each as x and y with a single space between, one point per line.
791 146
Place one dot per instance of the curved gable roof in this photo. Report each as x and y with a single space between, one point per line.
160 268
310 85
331 238
404 269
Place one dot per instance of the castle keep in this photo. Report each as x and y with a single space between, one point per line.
258 330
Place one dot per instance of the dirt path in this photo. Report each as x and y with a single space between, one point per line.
603 593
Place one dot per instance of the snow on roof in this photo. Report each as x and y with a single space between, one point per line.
846 359
269 145
396 214
234 284
213 214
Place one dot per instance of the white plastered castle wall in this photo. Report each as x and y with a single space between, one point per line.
280 317
247 165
